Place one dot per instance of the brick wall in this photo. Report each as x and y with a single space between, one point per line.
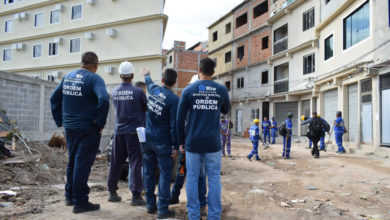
259 21
244 28
257 53
245 60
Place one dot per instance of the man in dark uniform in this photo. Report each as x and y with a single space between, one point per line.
130 105
80 103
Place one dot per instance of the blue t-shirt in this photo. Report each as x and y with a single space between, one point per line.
254 133
80 100
275 124
204 100
130 105
339 127
289 125
266 125
161 115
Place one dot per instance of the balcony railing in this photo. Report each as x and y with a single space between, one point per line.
280 45
281 86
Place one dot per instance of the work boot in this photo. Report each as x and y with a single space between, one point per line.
258 158
114 197
89 207
317 156
151 210
174 200
137 201
249 158
312 152
230 156
68 202
168 214
266 146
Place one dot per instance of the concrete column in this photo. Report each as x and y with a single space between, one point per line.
299 117
42 109
320 104
376 142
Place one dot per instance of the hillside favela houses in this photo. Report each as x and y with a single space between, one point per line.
300 56
45 39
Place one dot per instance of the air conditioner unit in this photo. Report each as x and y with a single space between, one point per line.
57 74
109 69
58 40
59 7
19 46
17 16
89 36
91 2
111 32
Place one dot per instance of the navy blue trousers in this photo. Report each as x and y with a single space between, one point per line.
82 148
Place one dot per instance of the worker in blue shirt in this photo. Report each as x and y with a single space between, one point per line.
254 136
339 131
287 138
325 130
161 141
274 129
80 104
266 124
204 100
130 106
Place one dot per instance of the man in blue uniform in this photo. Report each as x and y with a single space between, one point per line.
339 130
287 137
80 103
204 100
161 141
274 129
254 136
266 124
130 105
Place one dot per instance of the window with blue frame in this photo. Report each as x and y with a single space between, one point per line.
357 26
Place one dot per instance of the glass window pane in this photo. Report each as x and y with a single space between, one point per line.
76 11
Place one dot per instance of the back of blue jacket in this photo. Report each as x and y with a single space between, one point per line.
204 100
254 133
130 104
80 100
161 115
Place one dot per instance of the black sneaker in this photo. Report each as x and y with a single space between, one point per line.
68 202
151 210
312 152
168 214
249 158
114 197
89 207
258 159
137 201
174 200
317 156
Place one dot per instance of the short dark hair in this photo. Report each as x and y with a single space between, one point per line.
140 84
169 77
89 58
207 66
314 113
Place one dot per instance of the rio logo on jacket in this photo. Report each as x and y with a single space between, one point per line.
206 98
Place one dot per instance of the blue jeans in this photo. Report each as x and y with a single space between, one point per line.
265 135
179 181
273 134
339 140
157 153
82 148
254 150
212 162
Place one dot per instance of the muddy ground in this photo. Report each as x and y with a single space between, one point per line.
332 187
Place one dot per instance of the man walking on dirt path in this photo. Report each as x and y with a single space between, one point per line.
339 130
265 125
316 126
80 103
274 129
205 100
254 136
130 106
161 141
225 136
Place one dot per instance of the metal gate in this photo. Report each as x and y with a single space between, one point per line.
353 113
281 111
367 122
385 109
330 106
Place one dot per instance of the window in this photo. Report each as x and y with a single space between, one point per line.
309 64
215 36
53 49
227 84
170 59
7 55
264 42
50 78
357 26
228 57
242 20
37 50
9 26
75 45
329 47
327 1
6 2
240 83
264 77
77 12
39 19
55 17
240 52
260 9
228 28
255 113
308 19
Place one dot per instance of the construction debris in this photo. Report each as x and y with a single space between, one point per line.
57 142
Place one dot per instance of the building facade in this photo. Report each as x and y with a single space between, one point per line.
45 39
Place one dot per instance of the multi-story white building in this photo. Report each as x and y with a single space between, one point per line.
45 38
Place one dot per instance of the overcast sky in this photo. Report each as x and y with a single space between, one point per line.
189 19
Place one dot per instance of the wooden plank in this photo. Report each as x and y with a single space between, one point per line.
3 134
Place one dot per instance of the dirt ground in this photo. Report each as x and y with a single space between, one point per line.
332 187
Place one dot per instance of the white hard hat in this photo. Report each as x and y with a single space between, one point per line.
194 78
126 68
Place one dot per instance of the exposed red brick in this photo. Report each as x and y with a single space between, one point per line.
244 28
259 21
244 61
257 54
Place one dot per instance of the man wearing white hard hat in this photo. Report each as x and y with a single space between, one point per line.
130 105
